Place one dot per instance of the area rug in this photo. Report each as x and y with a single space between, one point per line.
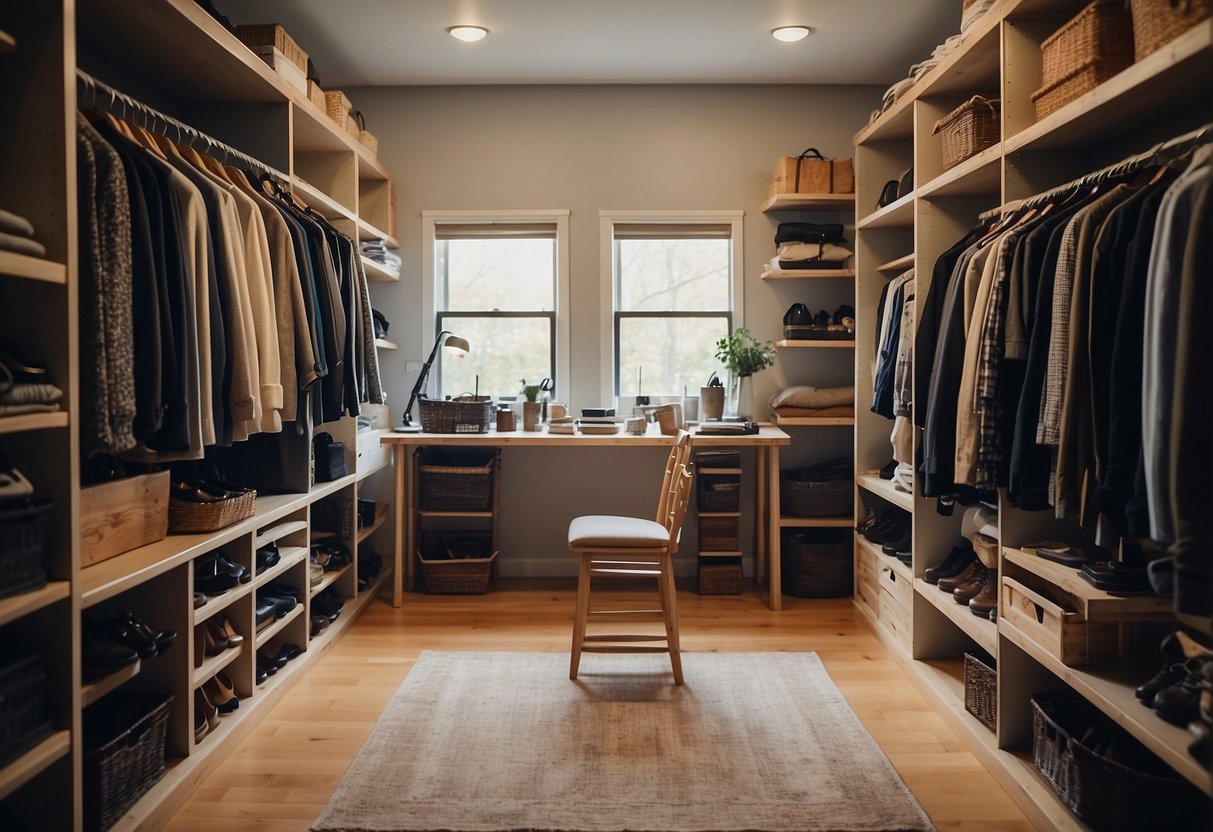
505 741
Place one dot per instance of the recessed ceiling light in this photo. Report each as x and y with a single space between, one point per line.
468 34
791 34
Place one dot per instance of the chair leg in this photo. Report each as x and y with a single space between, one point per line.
582 614
669 610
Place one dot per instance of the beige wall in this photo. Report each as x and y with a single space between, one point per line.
589 149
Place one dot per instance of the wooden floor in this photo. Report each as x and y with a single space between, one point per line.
283 774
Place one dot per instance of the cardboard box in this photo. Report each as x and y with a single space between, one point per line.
118 516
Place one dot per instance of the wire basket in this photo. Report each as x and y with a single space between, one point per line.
816 564
185 517
981 689
968 130
22 545
455 415
124 739
1156 22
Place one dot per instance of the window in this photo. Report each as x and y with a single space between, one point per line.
674 294
497 284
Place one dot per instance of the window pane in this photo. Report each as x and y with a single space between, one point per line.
673 352
506 274
687 275
503 352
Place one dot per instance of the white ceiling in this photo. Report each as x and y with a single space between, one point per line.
390 42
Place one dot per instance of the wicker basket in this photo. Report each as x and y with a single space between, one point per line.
719 534
1158 22
271 34
1136 791
969 129
803 494
457 576
124 736
1089 49
981 689
718 492
720 576
23 721
316 95
185 517
22 544
456 480
336 106
816 564
455 416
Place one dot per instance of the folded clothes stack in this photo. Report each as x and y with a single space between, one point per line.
25 388
377 251
809 245
17 235
805 400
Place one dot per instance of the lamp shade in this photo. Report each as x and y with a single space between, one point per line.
456 345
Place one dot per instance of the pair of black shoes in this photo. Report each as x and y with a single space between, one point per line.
957 561
889 529
215 574
195 489
121 640
267 557
1176 690
274 657
275 600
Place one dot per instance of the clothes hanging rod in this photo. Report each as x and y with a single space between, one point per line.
163 124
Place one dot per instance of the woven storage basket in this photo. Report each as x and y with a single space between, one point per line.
718 492
185 517
457 576
22 545
813 567
1158 22
720 576
124 736
271 34
968 130
456 481
981 689
1137 792
455 416
802 495
23 721
719 534
316 95
1089 49
336 106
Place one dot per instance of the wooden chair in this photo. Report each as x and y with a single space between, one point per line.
632 547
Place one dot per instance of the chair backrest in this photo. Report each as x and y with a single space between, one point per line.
680 453
680 497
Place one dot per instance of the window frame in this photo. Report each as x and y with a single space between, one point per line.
609 298
432 294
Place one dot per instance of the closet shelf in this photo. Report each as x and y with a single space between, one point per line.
33 421
979 175
328 580
218 603
27 602
213 664
327 206
288 556
897 266
848 344
32 268
816 522
1109 686
794 274
1097 604
811 421
899 214
278 531
376 273
381 516
809 202
1157 84
885 490
981 630
92 691
263 637
315 132
33 762
385 344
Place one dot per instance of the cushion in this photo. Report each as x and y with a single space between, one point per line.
609 530
806 396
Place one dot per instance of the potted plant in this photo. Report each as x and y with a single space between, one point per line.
532 406
742 355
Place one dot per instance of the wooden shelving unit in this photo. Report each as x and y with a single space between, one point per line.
897 265
809 202
32 268
385 344
807 274
376 273
809 344
884 489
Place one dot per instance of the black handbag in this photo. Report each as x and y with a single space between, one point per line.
808 232
330 458
272 463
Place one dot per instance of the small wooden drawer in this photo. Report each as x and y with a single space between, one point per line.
1050 624
894 616
896 586
867 582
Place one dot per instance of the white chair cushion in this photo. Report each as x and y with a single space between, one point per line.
608 530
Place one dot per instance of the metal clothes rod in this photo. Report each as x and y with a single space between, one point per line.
163 124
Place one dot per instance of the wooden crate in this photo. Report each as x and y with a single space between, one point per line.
118 516
1063 633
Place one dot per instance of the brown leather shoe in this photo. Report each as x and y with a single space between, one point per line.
987 599
965 592
966 576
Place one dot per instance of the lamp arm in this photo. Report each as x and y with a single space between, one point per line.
419 387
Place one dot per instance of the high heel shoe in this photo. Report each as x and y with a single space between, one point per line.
220 689
203 702
233 637
215 639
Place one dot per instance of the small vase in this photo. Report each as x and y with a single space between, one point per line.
739 402
530 415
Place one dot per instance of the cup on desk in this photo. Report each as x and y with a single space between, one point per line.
669 419
712 401
556 410
530 415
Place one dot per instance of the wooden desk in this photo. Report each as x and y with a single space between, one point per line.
766 521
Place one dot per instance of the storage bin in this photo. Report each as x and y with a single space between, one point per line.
457 576
451 480
23 525
822 490
1054 624
718 534
816 564
720 576
285 67
1158 22
981 689
125 514
455 416
185 517
811 173
968 130
124 740
23 722
1090 48
336 106
1135 791
718 492
271 34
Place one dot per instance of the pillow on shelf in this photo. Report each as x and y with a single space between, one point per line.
803 395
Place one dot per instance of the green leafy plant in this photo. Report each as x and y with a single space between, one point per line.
531 391
742 354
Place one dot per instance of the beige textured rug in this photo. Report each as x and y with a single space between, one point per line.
504 741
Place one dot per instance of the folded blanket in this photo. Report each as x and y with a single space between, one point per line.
813 397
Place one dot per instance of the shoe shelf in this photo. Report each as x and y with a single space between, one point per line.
873 484
385 344
816 522
1097 604
897 266
377 273
92 691
33 421
33 762
797 274
353 608
288 556
1109 685
982 630
218 603
263 637
213 664
901 570
32 268
978 175
328 580
840 344
809 202
812 421
898 214
381 517
278 531
17 606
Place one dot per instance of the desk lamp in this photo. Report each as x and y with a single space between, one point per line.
455 346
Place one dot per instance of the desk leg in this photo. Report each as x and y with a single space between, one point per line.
774 564
410 534
760 516
401 452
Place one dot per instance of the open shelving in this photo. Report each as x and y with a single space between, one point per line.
807 274
809 202
884 489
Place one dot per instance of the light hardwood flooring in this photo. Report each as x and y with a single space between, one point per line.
281 776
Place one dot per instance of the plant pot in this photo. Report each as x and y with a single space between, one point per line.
531 412
712 402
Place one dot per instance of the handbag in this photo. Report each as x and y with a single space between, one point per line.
812 173
330 458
